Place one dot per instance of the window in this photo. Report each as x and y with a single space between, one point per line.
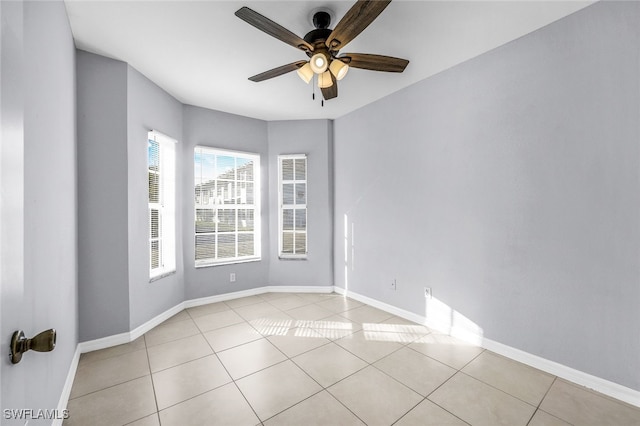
227 206
161 163
292 198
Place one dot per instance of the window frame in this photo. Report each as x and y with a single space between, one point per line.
255 207
165 206
295 206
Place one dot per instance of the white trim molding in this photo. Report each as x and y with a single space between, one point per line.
603 386
223 297
597 384
127 337
606 387
68 384
157 320
255 291
382 306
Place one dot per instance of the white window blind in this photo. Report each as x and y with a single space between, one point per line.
227 206
161 165
292 199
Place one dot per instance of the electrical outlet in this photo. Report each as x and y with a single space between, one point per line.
393 285
427 292
232 277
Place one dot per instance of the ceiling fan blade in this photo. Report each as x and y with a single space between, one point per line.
277 71
374 62
275 30
361 14
330 92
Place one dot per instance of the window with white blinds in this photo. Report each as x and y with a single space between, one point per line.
227 206
292 199
161 167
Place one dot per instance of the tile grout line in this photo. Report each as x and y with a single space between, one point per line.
498 389
153 386
308 325
424 398
446 381
504 391
110 386
233 381
110 356
286 359
555 378
537 407
368 364
200 332
341 403
226 371
442 384
322 388
404 344
438 405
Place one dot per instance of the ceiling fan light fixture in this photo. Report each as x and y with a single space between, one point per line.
322 45
305 73
324 80
338 69
319 63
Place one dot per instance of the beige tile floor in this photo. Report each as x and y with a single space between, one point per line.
318 359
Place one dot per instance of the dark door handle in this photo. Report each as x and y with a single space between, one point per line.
43 342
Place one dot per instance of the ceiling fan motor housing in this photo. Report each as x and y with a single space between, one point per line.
321 20
316 38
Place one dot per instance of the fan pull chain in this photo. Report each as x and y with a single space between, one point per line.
313 91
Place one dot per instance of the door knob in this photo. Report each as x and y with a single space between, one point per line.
43 342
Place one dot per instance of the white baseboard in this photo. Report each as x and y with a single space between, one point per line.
119 339
104 342
223 297
153 322
127 337
300 289
255 291
68 384
382 306
603 386
598 384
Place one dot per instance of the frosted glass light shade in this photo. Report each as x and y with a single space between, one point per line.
305 73
319 63
339 69
324 80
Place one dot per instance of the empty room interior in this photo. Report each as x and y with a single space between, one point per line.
198 228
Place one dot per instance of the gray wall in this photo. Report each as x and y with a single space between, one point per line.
227 131
117 106
510 185
103 261
314 138
149 108
38 115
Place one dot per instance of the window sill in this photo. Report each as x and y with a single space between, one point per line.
231 262
162 275
289 257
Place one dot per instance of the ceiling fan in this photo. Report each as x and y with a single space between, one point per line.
322 45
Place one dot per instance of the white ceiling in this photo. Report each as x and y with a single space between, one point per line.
202 54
